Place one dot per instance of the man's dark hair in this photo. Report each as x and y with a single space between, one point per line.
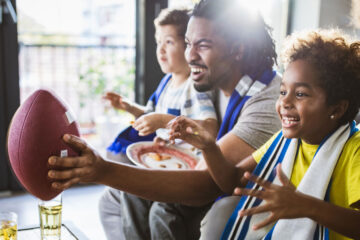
239 26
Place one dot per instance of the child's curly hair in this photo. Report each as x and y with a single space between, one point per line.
337 61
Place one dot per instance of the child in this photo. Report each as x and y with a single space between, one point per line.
316 157
175 94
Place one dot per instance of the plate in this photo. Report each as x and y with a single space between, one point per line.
149 155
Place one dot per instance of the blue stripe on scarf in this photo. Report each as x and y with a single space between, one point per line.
247 222
317 230
233 217
269 235
321 232
236 103
268 153
257 202
354 129
235 100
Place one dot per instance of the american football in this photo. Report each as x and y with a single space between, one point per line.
35 133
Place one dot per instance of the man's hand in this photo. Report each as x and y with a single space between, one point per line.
149 123
190 131
88 167
117 101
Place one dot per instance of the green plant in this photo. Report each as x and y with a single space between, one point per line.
97 77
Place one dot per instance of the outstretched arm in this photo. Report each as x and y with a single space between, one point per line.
189 187
119 102
285 202
222 158
150 122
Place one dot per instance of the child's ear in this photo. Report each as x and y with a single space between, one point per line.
339 109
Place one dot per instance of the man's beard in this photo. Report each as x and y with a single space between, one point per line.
204 87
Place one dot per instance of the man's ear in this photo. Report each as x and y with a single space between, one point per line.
237 51
339 109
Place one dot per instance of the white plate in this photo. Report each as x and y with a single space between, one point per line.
171 157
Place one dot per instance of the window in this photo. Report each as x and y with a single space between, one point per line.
79 49
275 13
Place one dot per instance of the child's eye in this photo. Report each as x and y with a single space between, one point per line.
282 92
300 94
169 42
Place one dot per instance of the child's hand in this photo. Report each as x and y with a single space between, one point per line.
190 131
282 201
148 123
117 101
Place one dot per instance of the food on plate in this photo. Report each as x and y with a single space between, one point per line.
158 156
162 157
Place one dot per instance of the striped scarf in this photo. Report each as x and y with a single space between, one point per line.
283 150
246 88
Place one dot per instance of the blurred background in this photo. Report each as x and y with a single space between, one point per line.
80 49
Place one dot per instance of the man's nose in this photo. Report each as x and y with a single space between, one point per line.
191 54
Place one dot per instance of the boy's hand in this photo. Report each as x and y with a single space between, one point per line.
117 101
190 131
88 167
149 123
283 202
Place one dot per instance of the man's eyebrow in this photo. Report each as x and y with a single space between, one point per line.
202 40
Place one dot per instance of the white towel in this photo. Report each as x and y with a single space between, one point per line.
319 172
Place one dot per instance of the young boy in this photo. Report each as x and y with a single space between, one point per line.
316 157
175 94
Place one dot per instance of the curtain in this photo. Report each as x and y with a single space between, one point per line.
9 86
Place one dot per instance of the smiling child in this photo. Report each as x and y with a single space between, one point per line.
309 173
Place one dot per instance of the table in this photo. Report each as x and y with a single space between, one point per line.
68 232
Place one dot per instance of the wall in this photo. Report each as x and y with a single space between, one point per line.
322 13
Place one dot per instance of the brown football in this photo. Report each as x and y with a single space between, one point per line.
35 133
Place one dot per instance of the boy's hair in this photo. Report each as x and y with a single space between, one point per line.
239 26
176 17
337 61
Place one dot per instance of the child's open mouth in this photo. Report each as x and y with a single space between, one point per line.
289 121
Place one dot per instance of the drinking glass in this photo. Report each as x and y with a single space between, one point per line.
50 218
8 226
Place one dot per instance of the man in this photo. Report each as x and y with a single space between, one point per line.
227 48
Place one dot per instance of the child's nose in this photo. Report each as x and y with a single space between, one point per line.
286 102
162 48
